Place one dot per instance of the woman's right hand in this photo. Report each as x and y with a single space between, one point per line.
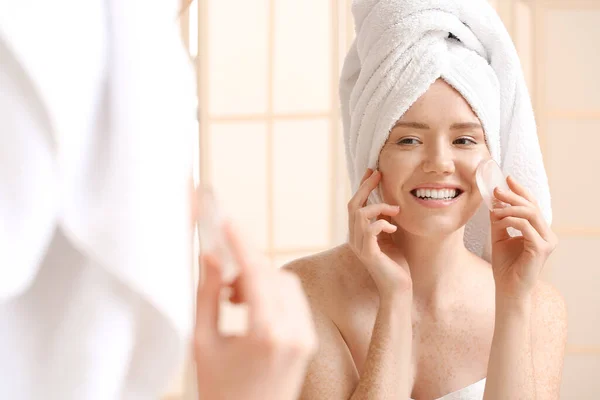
269 362
372 242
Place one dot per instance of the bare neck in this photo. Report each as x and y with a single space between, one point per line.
437 265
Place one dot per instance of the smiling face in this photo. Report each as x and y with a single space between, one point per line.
429 160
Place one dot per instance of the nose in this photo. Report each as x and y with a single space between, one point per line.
439 160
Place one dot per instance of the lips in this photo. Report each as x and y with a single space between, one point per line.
440 185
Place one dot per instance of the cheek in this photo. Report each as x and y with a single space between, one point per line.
468 164
396 169
397 162
484 153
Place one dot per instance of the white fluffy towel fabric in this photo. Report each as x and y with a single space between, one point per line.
97 108
401 48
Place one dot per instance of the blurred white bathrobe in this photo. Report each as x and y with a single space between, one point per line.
96 114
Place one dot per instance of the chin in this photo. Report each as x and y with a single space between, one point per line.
432 226
419 223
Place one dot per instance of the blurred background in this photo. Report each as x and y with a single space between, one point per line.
270 136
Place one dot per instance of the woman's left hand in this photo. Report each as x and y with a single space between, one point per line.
518 261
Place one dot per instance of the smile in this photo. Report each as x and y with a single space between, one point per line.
436 198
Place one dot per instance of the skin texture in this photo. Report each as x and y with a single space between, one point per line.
404 309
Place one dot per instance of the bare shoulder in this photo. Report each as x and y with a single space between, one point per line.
327 277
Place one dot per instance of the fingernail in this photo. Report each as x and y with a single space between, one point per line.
500 205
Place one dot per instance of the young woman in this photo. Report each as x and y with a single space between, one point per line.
404 309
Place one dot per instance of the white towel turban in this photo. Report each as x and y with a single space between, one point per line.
401 48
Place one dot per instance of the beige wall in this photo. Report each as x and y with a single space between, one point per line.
271 141
271 137
567 100
557 42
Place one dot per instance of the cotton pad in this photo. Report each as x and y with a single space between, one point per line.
489 176
212 236
233 318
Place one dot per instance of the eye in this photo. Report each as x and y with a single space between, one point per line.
465 141
408 141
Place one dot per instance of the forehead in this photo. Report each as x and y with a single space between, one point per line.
441 105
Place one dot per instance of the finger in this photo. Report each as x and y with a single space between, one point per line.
248 261
379 226
520 224
358 231
499 234
235 299
236 296
370 242
366 175
207 299
362 194
520 190
510 197
354 203
374 210
530 213
363 216
253 283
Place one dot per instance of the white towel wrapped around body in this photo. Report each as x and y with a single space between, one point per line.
401 48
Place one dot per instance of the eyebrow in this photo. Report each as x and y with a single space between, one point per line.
456 126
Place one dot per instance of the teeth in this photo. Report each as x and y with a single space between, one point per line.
443 194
